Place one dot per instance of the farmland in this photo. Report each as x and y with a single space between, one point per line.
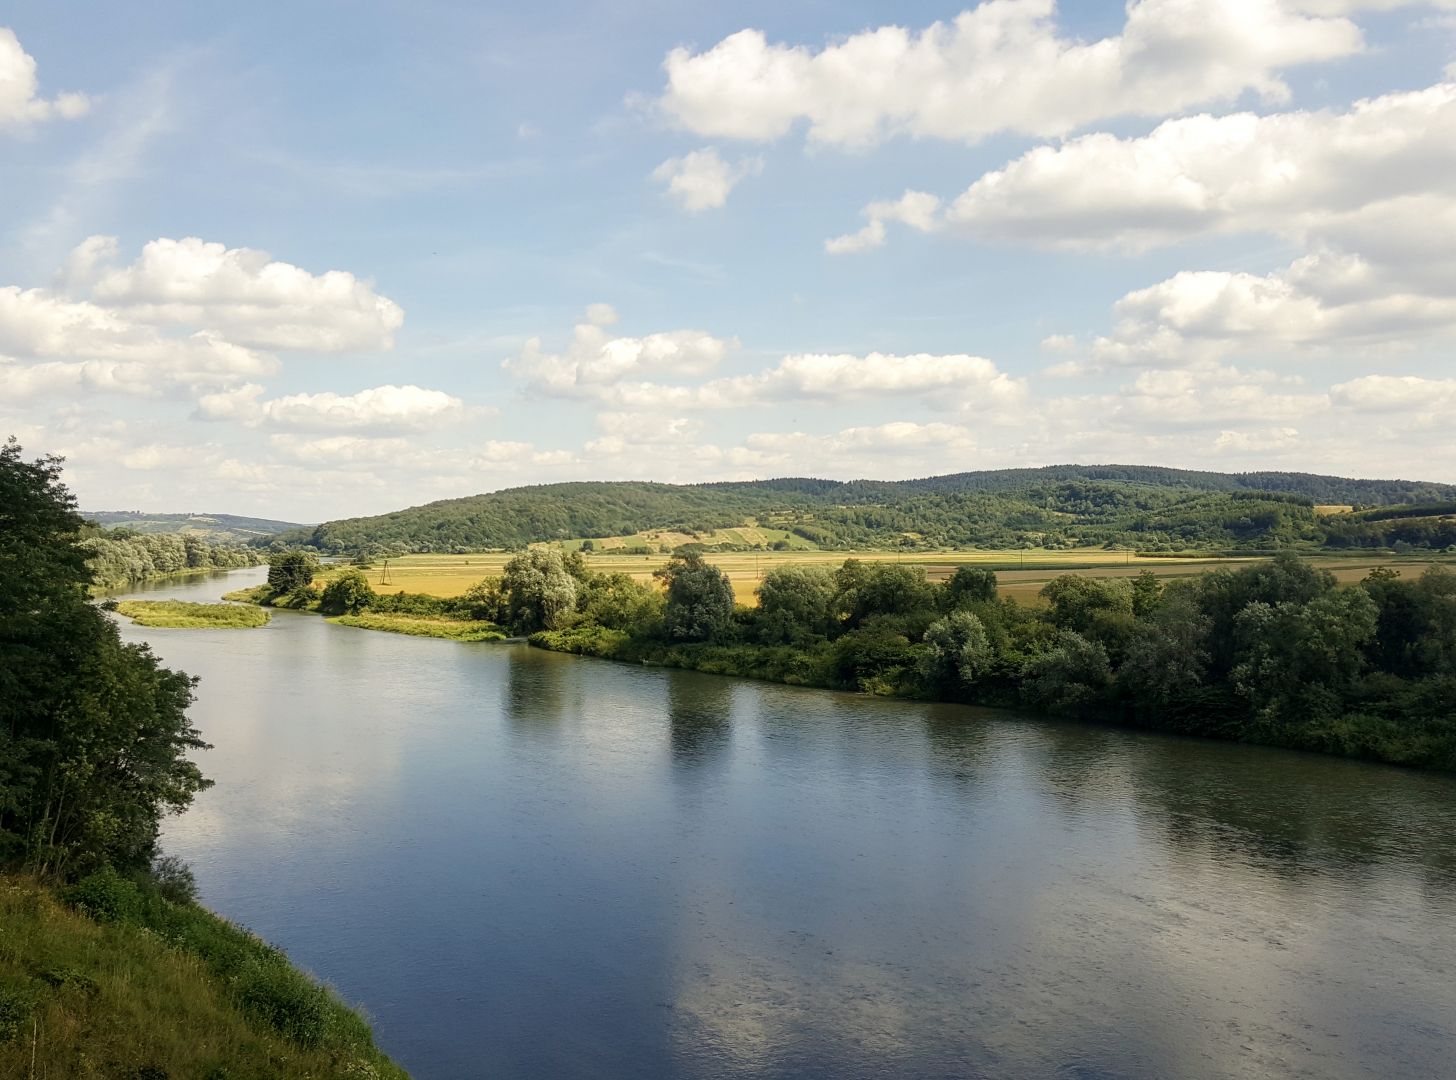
1021 573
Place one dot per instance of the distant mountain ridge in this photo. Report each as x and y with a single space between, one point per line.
1149 507
232 528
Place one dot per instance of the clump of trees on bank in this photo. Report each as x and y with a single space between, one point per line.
120 557
94 745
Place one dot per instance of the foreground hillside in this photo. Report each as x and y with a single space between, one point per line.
155 989
1151 509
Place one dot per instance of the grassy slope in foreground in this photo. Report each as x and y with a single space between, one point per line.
181 613
178 993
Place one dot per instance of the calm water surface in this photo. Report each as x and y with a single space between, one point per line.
529 865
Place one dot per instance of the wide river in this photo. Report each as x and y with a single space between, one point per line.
522 864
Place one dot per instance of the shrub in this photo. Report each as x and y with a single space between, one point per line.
105 896
285 999
174 879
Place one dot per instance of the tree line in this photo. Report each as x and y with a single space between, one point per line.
1274 652
122 557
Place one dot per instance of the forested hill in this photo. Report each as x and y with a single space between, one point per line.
228 528
1327 490
1144 507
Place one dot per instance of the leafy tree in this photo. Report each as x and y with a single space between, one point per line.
969 585
620 602
346 594
795 604
959 652
540 591
290 571
699 598
93 732
1069 676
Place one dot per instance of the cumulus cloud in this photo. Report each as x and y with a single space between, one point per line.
595 360
20 103
1002 66
916 209
945 381
246 295
702 180
1323 300
185 315
1396 394
1300 174
381 408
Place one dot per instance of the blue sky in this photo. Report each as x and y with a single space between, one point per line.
316 260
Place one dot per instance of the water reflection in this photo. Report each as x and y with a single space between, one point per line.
700 717
526 864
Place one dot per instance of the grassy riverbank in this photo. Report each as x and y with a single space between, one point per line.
182 614
145 987
419 626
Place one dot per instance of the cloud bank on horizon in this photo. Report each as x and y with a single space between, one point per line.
1215 235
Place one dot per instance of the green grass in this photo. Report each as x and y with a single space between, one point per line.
167 992
455 630
180 613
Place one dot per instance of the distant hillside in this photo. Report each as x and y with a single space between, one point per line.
1145 507
225 528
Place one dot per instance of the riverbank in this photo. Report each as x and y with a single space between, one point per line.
106 980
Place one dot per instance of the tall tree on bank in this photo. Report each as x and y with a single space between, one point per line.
93 732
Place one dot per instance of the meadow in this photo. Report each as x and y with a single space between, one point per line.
181 614
1021 573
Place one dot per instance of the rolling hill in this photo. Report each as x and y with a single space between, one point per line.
1146 507
224 528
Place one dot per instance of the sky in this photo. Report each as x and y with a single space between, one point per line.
307 261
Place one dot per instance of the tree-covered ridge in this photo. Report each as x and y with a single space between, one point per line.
225 528
1143 507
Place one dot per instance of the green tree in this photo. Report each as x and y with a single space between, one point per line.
93 732
540 590
969 585
958 650
289 571
795 604
346 594
699 598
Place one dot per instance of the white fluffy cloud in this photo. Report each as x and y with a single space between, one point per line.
1300 174
20 103
379 409
948 381
1397 394
186 315
245 295
1002 66
702 180
1321 301
594 361
916 209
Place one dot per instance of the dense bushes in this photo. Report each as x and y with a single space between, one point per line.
1272 652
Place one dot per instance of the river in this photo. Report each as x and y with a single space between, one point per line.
523 864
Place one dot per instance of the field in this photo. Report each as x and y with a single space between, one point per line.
184 615
1021 573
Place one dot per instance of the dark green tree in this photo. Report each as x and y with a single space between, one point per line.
289 571
699 598
93 732
346 594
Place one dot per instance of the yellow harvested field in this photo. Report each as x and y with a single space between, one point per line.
1021 573
1326 509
